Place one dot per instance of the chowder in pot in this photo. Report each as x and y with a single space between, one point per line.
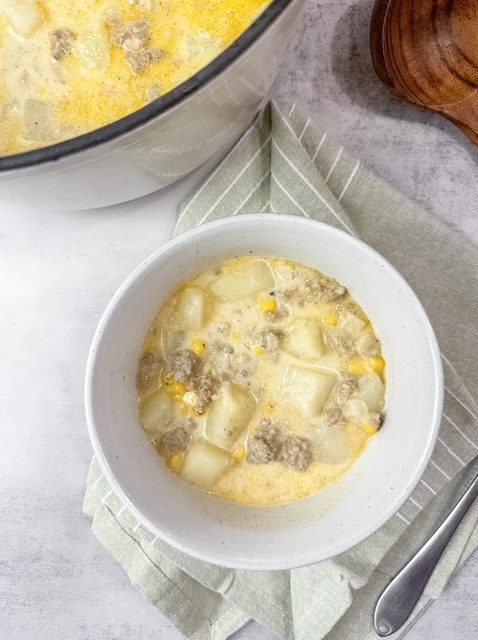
70 68
160 143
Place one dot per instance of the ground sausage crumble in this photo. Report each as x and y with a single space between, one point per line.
272 443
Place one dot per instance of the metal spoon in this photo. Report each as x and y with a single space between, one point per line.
399 598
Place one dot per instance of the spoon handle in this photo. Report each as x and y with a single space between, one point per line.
399 598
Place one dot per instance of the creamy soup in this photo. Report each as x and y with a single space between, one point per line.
261 381
69 67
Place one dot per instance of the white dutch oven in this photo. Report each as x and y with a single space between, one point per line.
165 140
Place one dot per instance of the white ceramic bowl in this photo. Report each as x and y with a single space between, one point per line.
327 523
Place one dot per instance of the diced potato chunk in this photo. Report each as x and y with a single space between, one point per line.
356 410
23 16
199 43
303 339
157 412
367 344
39 120
173 339
204 464
307 388
249 279
350 325
94 47
191 308
331 445
372 392
229 415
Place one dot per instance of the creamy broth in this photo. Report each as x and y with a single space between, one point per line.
67 68
261 381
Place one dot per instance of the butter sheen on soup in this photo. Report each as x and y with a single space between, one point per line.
261 381
68 67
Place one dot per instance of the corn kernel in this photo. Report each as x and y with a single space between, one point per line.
177 390
378 364
331 319
236 336
375 364
190 398
239 454
357 367
268 305
175 462
369 429
198 346
268 410
259 351
185 410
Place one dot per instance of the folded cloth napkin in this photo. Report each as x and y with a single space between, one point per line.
285 164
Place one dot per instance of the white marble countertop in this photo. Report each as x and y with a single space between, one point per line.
58 272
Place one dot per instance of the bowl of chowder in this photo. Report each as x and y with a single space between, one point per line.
105 101
264 392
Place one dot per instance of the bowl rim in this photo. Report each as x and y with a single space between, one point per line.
283 563
141 117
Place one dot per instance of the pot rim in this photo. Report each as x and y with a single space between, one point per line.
151 111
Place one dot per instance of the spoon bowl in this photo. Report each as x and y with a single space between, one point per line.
425 53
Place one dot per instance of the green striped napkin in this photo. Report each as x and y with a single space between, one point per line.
285 163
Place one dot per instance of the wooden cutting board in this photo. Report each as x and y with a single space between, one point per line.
426 52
